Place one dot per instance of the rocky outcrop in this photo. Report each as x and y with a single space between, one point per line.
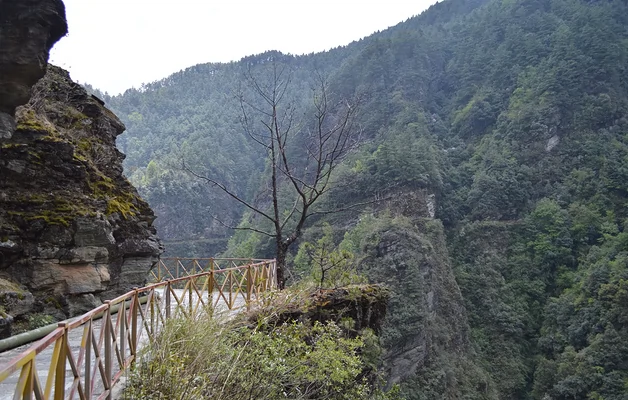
73 231
364 305
28 29
426 332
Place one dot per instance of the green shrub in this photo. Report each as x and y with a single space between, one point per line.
210 358
39 320
327 265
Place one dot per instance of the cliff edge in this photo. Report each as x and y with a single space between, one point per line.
73 230
28 29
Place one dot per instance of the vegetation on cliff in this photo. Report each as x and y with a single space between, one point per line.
296 347
505 120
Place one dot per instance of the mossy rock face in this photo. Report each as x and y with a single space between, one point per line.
15 300
364 306
28 120
62 192
426 331
54 149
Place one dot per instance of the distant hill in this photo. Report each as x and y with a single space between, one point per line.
512 116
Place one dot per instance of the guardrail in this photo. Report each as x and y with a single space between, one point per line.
108 346
172 268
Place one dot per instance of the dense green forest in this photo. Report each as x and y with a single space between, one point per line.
493 168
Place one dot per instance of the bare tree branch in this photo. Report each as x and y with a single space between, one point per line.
268 119
350 207
240 228
226 190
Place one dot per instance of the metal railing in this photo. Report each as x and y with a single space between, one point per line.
110 336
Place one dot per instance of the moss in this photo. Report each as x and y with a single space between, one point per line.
30 121
122 206
13 145
36 198
50 208
50 218
8 286
32 126
52 301
103 188
74 115
84 145
52 138
34 154
118 201
83 149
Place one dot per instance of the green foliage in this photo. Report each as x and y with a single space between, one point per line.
209 358
330 267
514 115
584 335
39 320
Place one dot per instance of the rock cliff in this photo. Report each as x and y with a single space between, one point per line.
365 305
73 231
426 331
28 29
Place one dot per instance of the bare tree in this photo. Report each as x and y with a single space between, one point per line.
301 154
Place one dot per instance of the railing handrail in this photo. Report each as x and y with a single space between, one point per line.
39 333
258 276
216 258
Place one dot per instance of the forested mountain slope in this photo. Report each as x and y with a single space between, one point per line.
512 114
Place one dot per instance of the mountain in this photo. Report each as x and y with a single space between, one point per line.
492 161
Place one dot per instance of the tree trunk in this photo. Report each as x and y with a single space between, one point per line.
281 265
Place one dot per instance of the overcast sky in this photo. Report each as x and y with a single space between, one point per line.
118 44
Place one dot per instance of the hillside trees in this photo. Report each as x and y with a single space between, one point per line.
302 152
513 114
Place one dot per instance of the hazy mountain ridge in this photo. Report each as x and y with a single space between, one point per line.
512 114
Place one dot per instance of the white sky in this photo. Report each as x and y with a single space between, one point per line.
117 44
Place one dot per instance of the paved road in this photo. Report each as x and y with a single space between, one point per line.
7 387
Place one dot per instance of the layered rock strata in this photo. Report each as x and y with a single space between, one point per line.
73 231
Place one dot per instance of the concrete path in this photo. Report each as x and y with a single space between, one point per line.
7 388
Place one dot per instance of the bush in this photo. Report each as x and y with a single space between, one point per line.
39 320
210 358
330 267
